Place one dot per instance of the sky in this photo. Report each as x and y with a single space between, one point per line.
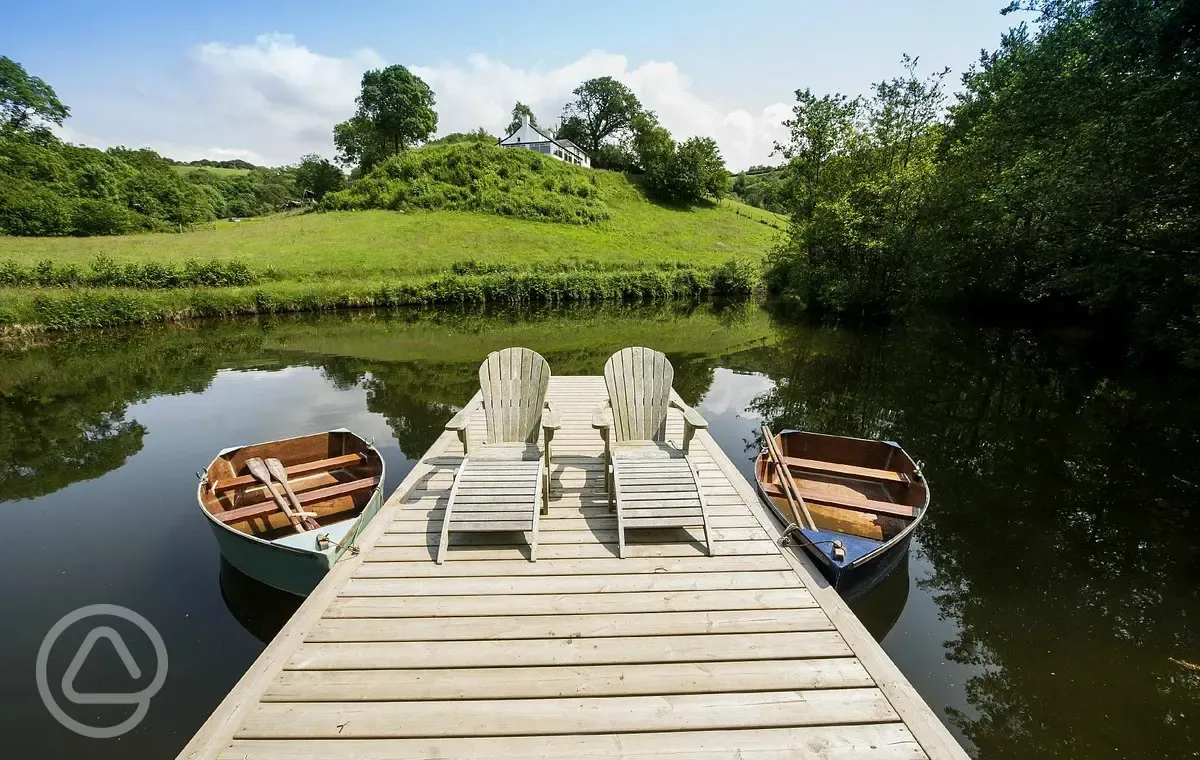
266 81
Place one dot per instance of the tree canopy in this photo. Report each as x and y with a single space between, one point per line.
601 108
520 110
316 176
395 112
26 100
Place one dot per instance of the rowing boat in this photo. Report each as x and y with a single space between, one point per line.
337 479
865 499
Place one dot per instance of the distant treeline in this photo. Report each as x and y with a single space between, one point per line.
236 163
49 187
1064 179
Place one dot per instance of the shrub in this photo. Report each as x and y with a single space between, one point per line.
95 217
34 211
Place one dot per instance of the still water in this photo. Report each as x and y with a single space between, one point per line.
1049 607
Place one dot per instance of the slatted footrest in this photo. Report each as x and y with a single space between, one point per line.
494 495
658 493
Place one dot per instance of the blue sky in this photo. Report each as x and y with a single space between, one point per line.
266 81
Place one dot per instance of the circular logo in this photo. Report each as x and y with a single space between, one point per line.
139 698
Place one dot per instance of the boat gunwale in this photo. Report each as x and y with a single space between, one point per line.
329 552
884 546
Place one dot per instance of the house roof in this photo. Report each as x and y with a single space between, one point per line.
563 143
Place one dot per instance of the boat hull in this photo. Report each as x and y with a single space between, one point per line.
291 569
294 563
870 561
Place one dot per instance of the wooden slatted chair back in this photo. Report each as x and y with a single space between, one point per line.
639 389
513 382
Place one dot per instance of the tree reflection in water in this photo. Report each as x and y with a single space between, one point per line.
1064 531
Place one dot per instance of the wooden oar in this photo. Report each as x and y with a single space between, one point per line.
260 472
279 472
790 490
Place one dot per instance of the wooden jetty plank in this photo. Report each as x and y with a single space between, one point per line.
520 549
549 567
569 584
567 681
566 651
551 524
666 654
672 712
569 604
933 736
602 535
888 741
573 626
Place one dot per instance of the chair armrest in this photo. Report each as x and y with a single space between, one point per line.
690 415
461 420
551 419
602 417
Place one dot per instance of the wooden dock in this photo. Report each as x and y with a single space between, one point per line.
667 653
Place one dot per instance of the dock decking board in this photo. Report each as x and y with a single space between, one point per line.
665 654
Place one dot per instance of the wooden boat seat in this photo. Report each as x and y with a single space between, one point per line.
269 507
304 468
848 470
848 502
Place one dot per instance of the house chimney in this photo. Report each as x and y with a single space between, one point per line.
524 121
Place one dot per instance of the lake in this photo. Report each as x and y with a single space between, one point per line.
1049 607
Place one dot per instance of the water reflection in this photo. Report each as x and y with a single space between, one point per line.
1053 596
260 609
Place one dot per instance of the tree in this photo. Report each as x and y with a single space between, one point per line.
651 143
26 100
820 128
862 177
316 176
690 172
572 128
395 111
603 107
520 110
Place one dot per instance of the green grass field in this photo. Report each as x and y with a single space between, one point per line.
223 171
354 245
348 259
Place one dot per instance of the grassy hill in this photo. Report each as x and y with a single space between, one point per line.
223 171
630 247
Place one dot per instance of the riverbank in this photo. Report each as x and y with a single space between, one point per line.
378 259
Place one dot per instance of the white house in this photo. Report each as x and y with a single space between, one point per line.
531 138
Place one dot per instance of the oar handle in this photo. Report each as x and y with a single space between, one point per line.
790 490
260 472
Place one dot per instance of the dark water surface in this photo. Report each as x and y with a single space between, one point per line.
1049 608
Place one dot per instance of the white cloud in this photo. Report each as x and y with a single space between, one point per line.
274 100
179 152
283 98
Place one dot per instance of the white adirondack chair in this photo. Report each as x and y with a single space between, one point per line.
650 483
499 481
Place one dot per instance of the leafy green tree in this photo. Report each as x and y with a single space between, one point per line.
316 176
602 107
572 128
520 110
395 112
26 100
862 178
820 128
479 134
1070 174
651 143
